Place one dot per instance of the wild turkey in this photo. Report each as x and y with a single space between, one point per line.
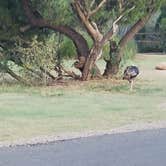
129 74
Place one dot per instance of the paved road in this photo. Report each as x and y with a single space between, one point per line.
145 148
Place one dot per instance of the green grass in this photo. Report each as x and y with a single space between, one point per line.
27 112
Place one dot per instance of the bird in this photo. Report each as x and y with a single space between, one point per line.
130 73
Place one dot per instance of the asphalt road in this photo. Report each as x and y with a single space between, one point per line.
145 148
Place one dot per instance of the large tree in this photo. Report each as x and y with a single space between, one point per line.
120 12
101 20
123 12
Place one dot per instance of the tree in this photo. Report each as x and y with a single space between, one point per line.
101 20
20 51
138 12
121 12
9 29
78 39
161 27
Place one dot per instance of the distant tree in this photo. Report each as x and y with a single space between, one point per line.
161 26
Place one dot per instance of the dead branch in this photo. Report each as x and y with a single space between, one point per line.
17 77
70 73
46 72
25 28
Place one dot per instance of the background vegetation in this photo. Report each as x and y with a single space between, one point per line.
31 57
152 36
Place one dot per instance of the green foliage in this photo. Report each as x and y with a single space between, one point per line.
132 10
33 60
129 53
36 51
161 25
163 33
58 11
35 54
67 49
11 17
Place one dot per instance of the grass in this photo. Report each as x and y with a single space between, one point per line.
96 105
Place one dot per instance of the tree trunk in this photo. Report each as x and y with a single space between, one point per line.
112 65
133 30
79 41
86 61
111 69
90 62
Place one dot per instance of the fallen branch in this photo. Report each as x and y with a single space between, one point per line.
70 73
17 77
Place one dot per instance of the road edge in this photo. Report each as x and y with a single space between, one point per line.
70 136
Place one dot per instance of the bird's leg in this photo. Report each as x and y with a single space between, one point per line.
131 85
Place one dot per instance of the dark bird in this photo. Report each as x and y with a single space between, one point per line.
130 73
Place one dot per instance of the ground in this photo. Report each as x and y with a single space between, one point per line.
83 107
141 148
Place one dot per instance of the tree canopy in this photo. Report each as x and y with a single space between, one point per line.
83 21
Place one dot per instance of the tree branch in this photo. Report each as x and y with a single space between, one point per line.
70 73
93 31
92 3
112 32
25 28
91 13
78 39
46 72
17 77
136 28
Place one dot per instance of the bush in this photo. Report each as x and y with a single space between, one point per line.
32 60
67 49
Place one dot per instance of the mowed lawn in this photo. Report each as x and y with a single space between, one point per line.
82 107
